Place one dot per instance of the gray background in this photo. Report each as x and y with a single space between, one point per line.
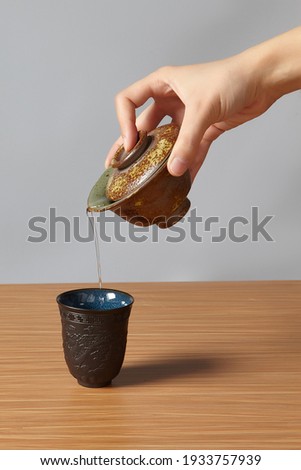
62 62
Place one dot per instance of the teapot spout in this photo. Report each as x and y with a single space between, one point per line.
97 200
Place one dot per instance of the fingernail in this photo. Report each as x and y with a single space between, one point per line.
178 166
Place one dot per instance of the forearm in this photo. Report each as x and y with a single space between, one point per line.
277 63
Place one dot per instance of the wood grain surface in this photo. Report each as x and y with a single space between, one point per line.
208 366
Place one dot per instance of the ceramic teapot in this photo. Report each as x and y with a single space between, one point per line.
138 187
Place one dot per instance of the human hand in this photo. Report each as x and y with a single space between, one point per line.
205 100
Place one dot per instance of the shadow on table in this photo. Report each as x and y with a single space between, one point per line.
164 370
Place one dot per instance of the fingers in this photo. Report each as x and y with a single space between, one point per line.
189 152
126 103
186 148
126 114
199 158
147 121
150 118
153 86
195 117
112 151
211 134
214 131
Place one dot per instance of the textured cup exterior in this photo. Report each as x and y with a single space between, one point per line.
94 344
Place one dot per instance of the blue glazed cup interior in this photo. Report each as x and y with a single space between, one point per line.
93 299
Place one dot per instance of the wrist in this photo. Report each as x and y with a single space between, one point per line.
277 64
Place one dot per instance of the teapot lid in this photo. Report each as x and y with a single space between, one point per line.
132 169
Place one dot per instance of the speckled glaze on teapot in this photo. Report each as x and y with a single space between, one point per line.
138 187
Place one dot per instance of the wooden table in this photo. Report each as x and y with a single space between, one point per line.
208 366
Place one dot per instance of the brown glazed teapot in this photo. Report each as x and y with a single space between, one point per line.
138 187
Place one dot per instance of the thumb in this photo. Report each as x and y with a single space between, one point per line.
186 148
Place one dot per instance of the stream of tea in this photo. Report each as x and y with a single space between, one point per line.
93 216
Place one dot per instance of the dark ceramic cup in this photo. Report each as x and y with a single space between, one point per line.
94 329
